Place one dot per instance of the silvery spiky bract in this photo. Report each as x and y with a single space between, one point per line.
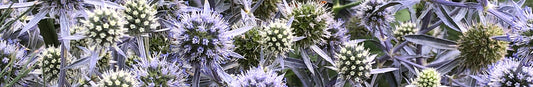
158 72
375 21
140 16
506 73
478 49
428 78
311 21
119 78
277 38
406 28
354 63
104 27
199 37
259 77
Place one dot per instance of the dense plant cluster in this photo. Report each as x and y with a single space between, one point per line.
266 43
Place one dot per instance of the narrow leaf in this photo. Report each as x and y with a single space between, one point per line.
431 41
20 5
382 70
237 31
42 13
307 60
446 19
322 54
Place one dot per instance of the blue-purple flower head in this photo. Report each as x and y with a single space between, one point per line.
505 73
10 52
199 37
58 6
259 77
158 72
375 20
338 36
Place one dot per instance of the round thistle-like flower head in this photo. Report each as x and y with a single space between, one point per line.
377 22
200 38
259 77
478 49
505 73
354 63
277 38
118 79
158 72
310 21
428 78
355 29
140 17
63 5
249 46
407 28
104 27
51 64
338 36
267 8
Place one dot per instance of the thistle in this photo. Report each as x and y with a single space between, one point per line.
354 63
158 72
199 37
338 36
428 78
118 79
51 64
103 27
407 28
478 49
248 45
277 38
259 77
376 21
505 73
140 17
311 21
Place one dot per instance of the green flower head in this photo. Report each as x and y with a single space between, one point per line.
277 38
407 28
118 79
140 17
310 21
104 26
478 49
354 63
428 78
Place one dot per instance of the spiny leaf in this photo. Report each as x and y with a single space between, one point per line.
431 41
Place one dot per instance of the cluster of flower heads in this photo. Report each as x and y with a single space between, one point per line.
119 78
140 17
508 73
478 49
159 72
311 21
277 38
354 63
407 28
200 37
259 77
428 78
103 26
373 19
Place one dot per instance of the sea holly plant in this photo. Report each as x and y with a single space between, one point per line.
266 43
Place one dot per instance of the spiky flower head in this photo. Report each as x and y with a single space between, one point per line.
140 17
310 21
119 78
355 29
267 8
478 49
199 37
277 38
407 28
249 46
375 20
428 78
59 6
103 27
259 77
338 36
354 62
10 52
158 72
505 73
51 64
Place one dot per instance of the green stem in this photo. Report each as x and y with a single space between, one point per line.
339 7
